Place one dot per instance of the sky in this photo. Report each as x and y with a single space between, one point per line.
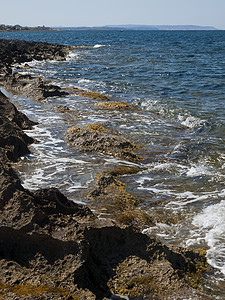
113 12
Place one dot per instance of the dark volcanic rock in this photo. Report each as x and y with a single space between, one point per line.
16 51
34 87
102 261
133 264
9 111
9 183
52 200
13 140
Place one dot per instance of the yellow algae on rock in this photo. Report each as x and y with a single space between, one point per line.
89 94
98 127
23 290
94 95
75 129
115 105
111 197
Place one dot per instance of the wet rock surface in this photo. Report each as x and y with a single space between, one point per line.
33 87
96 138
53 248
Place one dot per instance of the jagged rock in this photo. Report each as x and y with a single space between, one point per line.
13 140
17 51
9 111
34 87
103 261
52 200
9 183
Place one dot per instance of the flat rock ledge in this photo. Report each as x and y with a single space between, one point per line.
53 248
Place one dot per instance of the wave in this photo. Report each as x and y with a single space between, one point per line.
175 114
72 56
98 46
211 228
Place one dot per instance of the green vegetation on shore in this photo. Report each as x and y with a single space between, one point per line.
4 27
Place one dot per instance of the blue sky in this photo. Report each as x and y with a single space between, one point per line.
113 12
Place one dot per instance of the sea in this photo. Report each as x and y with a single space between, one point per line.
177 79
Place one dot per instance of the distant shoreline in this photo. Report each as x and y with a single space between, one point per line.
19 28
143 27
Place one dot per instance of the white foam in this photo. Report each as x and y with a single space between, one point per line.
32 63
98 46
157 190
75 187
151 105
97 119
222 193
210 224
143 180
197 170
116 161
190 121
83 80
72 56
169 167
187 198
163 231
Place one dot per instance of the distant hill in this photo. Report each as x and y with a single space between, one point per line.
141 27
165 27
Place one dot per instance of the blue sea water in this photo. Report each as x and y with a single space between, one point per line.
177 78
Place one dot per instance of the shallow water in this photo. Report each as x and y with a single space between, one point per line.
177 78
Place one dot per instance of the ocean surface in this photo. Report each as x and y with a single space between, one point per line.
177 78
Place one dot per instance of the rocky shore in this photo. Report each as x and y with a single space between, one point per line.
53 248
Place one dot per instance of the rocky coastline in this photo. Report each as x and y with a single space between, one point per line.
53 248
